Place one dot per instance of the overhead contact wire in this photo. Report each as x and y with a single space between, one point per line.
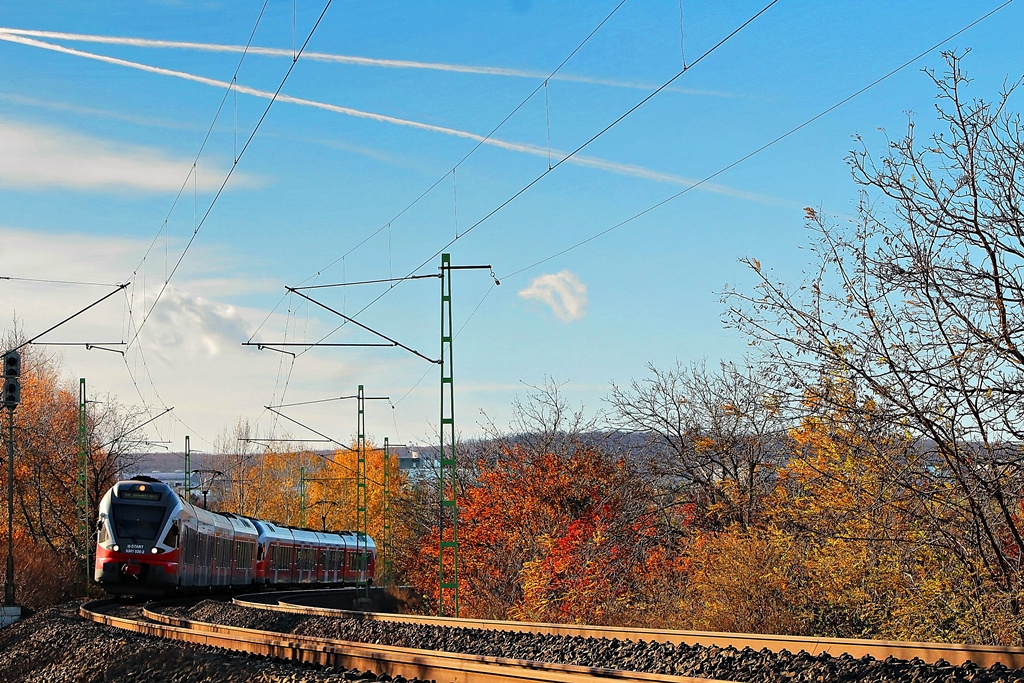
763 147
231 171
580 148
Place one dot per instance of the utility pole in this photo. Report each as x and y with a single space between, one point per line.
302 496
188 471
386 541
448 550
9 580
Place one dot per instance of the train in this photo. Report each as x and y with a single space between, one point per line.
152 542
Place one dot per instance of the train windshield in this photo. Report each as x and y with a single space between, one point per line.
137 522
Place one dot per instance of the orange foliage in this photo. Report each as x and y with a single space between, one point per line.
549 537
42 576
46 463
270 484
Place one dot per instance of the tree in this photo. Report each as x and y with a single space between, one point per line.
554 524
239 459
46 469
714 439
920 303
853 527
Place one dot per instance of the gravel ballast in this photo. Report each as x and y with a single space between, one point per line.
58 646
662 658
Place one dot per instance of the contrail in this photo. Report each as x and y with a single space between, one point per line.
523 148
347 59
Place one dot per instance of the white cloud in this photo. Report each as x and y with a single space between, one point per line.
562 291
189 354
186 326
35 156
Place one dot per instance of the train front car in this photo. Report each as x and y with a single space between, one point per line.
137 538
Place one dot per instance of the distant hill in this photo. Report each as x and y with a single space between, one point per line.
173 462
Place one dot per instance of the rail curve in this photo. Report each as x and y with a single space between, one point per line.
307 602
408 662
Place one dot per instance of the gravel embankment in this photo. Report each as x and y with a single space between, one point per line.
58 646
663 658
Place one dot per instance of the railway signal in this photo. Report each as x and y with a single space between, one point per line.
12 364
12 393
11 399
12 383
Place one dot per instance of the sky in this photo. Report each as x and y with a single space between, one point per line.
153 164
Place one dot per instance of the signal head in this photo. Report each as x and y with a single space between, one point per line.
12 392
12 364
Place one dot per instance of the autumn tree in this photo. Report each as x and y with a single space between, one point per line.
553 524
920 302
855 529
712 438
46 464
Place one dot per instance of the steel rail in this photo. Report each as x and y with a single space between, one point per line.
953 653
409 662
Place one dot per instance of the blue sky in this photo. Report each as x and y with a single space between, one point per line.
104 108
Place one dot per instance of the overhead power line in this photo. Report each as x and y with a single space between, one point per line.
765 146
230 172
551 168
482 141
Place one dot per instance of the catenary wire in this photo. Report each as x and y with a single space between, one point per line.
230 172
206 139
762 148
578 149
480 142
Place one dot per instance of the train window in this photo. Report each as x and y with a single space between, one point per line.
259 552
137 522
357 561
172 536
101 532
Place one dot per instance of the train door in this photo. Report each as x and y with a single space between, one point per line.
205 554
186 558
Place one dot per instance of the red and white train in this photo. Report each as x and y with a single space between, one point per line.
150 542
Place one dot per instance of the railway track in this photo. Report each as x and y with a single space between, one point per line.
347 655
311 603
315 627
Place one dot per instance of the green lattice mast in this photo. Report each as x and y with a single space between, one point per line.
386 540
361 521
302 496
188 471
448 527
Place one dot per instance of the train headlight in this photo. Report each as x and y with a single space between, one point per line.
115 547
155 551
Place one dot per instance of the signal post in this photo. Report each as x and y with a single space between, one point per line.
11 398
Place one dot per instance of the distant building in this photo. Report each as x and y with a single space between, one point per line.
416 467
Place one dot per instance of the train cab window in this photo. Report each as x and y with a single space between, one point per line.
137 522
